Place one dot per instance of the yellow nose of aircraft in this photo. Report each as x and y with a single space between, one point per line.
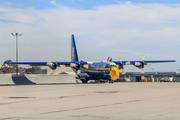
114 73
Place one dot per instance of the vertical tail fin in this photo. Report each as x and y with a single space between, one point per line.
74 55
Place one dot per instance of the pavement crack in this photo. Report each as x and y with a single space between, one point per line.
133 101
81 108
105 105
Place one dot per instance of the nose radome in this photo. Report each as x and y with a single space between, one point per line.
114 73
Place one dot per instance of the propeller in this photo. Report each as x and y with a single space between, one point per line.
53 66
77 66
141 64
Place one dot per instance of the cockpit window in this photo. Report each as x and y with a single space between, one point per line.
107 66
113 66
99 65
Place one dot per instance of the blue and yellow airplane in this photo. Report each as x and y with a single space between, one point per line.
93 70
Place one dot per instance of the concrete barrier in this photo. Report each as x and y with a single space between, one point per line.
23 79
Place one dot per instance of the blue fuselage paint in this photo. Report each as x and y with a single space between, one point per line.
102 72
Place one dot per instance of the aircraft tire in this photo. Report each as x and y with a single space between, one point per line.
84 81
111 81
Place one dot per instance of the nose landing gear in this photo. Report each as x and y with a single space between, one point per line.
111 81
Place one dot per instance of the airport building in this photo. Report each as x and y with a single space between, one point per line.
150 77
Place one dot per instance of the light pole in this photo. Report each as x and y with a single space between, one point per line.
16 34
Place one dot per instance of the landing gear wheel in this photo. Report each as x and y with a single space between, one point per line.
84 81
111 81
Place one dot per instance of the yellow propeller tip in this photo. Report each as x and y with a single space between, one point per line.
123 73
143 55
57 56
53 74
143 72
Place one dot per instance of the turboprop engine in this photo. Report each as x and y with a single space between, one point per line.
77 66
53 66
141 64
86 66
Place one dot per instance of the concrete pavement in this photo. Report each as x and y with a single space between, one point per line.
118 101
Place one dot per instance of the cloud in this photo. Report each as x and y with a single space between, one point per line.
53 2
78 0
125 29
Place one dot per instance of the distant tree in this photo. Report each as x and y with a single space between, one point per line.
22 70
13 65
11 68
33 70
8 70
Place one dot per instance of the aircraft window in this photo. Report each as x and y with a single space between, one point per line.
90 66
113 66
97 65
107 66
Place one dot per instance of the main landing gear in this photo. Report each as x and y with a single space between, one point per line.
111 81
84 80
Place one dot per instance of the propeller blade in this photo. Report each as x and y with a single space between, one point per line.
79 58
143 64
143 57
78 72
57 59
123 71
121 65
142 70
120 59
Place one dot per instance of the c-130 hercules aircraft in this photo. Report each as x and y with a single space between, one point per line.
93 70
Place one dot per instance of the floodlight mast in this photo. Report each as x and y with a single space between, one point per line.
16 34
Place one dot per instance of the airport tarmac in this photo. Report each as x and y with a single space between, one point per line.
118 101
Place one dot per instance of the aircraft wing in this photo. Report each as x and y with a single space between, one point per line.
149 61
45 63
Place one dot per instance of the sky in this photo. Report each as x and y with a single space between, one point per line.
102 28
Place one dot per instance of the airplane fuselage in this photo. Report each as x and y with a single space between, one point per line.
100 70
